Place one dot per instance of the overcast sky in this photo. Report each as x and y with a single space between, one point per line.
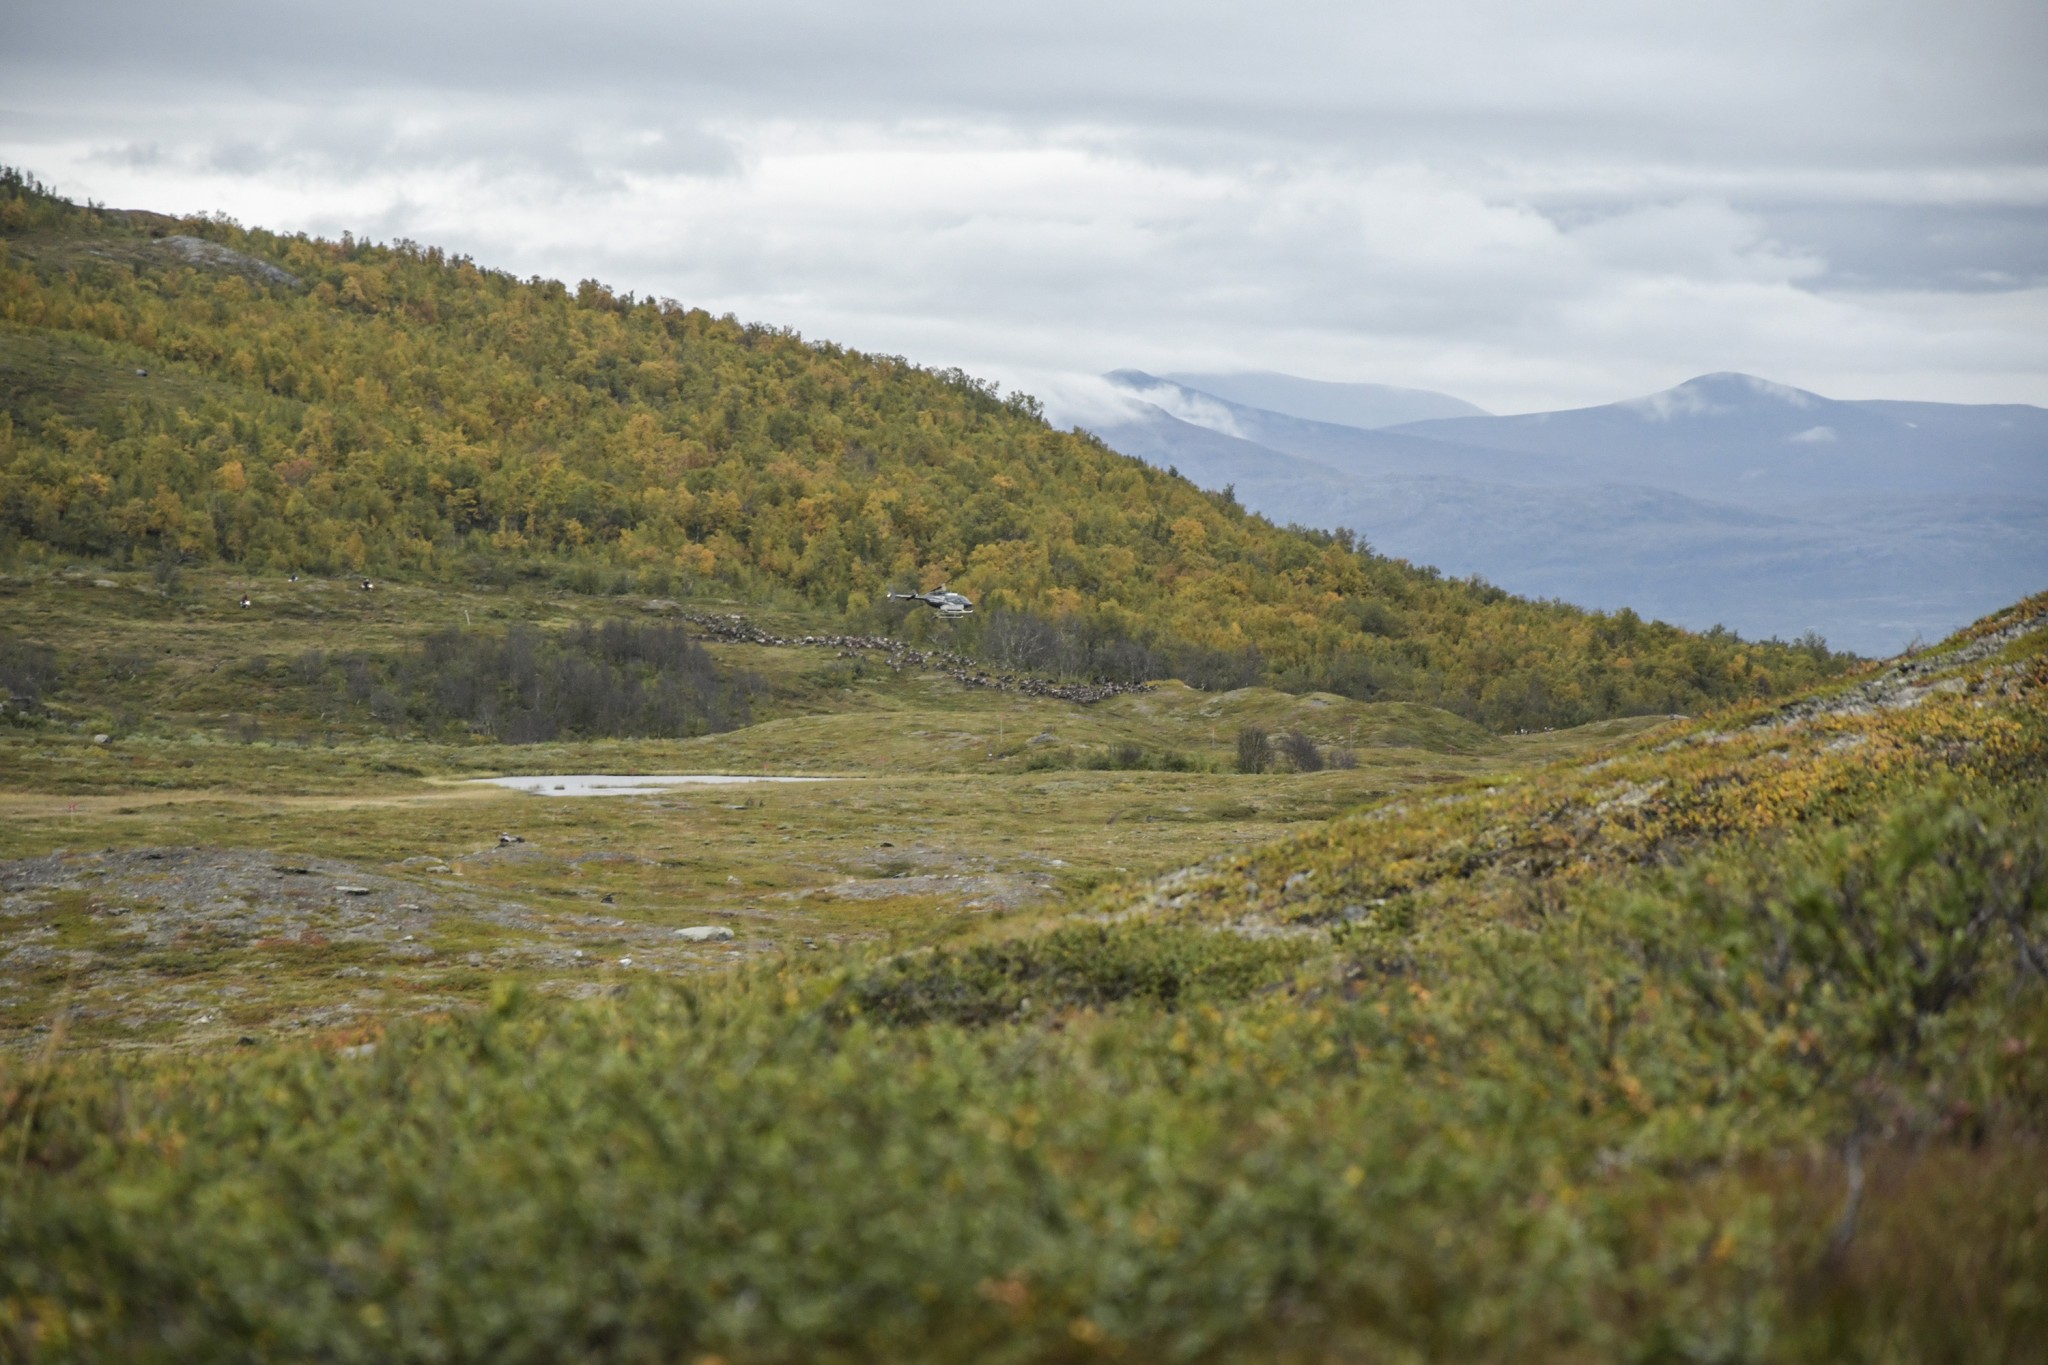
1527 205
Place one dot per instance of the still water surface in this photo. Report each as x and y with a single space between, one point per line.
622 784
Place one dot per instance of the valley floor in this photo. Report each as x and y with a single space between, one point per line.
1041 1033
212 875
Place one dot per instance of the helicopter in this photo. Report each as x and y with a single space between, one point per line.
941 599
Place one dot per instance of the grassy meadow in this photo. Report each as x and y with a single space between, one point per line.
183 721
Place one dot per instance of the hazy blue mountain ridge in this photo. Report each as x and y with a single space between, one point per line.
1708 504
1746 439
1353 405
1357 451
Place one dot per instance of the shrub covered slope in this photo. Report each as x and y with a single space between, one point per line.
1730 1046
190 391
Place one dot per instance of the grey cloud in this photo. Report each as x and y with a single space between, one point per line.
1523 205
239 156
573 148
1743 80
136 155
1919 246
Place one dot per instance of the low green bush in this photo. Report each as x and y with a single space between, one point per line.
1125 756
1079 967
1615 1132
27 672
1254 749
522 686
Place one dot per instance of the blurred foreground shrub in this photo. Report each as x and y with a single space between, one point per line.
1626 1131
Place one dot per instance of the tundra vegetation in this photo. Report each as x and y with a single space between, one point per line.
1234 1019
177 393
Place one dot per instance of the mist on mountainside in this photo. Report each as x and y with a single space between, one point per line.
1728 500
1356 405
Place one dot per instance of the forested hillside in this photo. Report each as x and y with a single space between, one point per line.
187 390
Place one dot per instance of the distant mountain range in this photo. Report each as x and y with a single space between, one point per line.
1351 405
1728 500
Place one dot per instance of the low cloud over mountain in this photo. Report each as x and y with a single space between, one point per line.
1727 500
1354 405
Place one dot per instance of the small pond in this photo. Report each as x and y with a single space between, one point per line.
621 784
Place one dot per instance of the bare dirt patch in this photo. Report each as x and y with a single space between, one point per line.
197 945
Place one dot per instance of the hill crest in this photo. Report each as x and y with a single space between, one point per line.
406 412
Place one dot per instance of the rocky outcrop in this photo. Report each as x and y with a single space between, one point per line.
213 256
1909 679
